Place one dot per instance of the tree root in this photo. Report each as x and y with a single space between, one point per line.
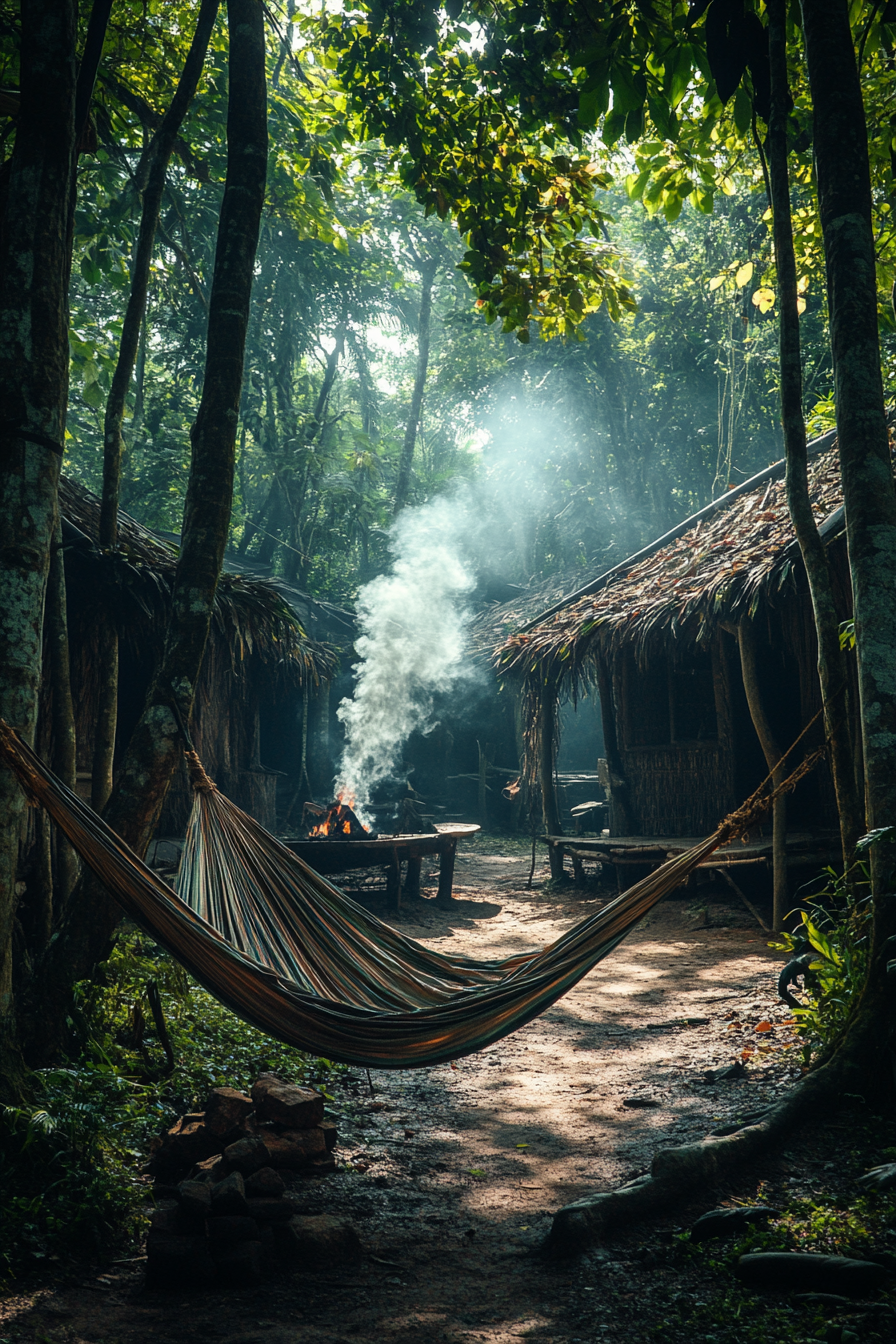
677 1172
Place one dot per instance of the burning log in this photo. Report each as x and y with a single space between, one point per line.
336 821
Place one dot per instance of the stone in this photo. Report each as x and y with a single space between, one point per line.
265 1184
798 1271
165 1220
639 1103
227 1109
319 1166
229 1196
331 1135
286 1104
880 1178
321 1240
726 1222
247 1155
195 1198
270 1210
294 1147
177 1261
241 1266
228 1230
213 1169
186 1143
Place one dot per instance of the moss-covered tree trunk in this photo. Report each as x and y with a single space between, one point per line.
33 394
832 673
154 749
158 156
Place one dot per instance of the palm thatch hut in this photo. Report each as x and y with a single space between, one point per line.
659 636
259 670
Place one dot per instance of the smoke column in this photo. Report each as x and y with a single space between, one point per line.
411 644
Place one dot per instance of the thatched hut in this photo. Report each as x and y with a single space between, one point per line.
657 635
260 667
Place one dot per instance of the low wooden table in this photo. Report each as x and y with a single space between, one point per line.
389 851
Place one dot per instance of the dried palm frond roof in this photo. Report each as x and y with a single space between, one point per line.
714 566
250 615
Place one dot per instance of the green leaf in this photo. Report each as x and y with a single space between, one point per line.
743 111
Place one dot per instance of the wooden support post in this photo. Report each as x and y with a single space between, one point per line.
393 881
444 899
621 822
547 732
746 642
412 877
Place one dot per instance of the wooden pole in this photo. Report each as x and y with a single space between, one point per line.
547 724
746 642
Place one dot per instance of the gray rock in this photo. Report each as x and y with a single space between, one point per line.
270 1210
285 1104
195 1198
229 1196
247 1155
265 1184
294 1147
880 1178
227 1109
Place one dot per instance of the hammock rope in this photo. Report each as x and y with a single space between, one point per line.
294 956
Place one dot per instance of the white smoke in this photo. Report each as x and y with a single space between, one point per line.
411 646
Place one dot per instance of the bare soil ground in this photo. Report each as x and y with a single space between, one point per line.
451 1174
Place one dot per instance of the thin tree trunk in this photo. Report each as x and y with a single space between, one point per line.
158 157
33 394
831 660
546 743
746 642
403 484
64 733
154 749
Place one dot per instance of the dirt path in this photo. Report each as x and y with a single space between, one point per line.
451 1174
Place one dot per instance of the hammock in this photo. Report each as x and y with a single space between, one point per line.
294 956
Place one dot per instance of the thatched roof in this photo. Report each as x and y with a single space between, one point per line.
715 566
250 615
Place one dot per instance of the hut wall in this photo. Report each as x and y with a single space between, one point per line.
678 790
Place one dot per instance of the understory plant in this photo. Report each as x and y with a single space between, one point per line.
70 1158
832 939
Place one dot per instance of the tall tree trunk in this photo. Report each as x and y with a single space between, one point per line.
33 394
832 671
64 735
154 749
869 497
403 484
158 157
746 641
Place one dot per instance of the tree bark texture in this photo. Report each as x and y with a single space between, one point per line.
154 749
831 660
403 484
33 394
746 641
869 497
158 157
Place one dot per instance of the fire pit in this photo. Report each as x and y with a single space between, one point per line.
337 850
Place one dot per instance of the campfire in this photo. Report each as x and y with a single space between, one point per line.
336 821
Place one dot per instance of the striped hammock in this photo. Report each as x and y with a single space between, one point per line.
294 956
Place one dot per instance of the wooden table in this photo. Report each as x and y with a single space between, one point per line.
389 851
649 851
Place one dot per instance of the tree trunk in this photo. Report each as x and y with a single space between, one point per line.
154 749
33 394
64 735
158 156
746 641
546 746
844 193
831 660
403 484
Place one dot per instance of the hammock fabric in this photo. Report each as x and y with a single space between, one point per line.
294 956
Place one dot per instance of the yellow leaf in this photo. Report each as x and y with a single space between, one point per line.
744 274
802 284
764 299
728 186
801 305
716 282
